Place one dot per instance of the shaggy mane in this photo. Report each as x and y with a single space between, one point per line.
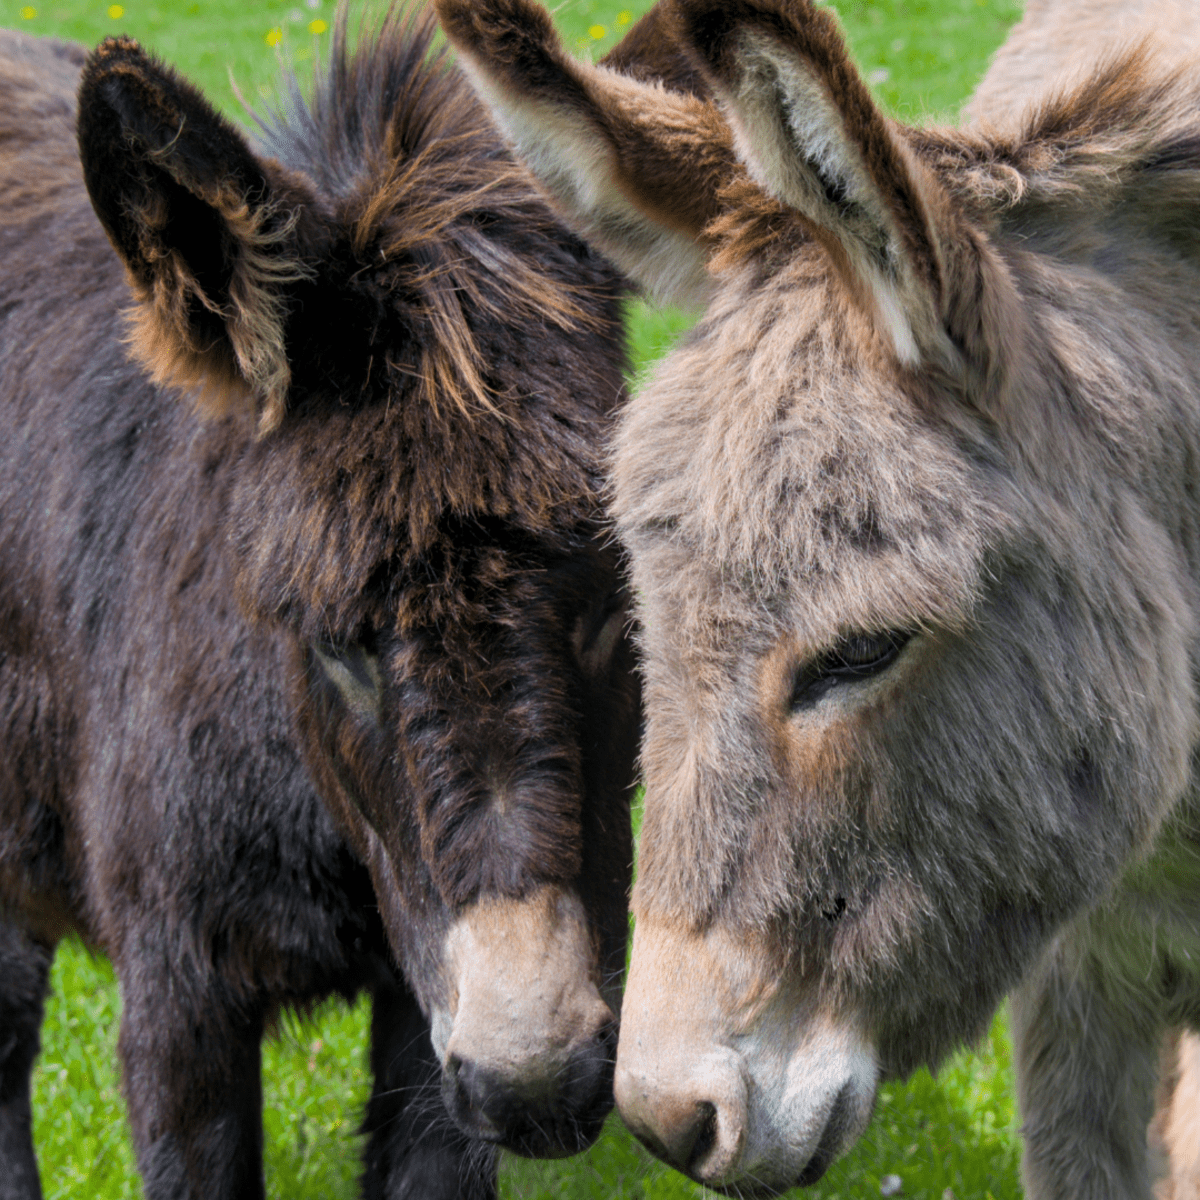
394 133
456 361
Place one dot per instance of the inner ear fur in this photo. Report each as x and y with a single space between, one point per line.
810 134
207 231
635 163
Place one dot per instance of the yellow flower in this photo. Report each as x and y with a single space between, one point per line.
274 37
28 13
115 12
317 26
623 18
597 31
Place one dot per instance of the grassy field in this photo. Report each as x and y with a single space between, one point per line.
953 1136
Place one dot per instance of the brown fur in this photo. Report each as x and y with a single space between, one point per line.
164 332
644 128
652 53
933 447
313 646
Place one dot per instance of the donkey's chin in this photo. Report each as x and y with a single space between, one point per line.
527 1043
797 1143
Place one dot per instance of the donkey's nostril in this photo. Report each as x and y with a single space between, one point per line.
696 1124
688 1137
469 1096
706 1135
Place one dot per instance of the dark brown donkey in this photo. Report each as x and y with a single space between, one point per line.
914 520
313 666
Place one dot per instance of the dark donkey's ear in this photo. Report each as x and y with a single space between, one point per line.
634 165
805 125
207 230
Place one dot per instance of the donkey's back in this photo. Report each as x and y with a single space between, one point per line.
1057 42
36 69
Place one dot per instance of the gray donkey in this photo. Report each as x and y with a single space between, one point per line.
914 522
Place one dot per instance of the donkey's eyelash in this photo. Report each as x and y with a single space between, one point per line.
858 656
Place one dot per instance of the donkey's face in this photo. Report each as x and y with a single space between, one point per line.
408 367
915 666
821 633
484 769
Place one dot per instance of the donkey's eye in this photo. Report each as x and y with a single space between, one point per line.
354 670
598 631
859 656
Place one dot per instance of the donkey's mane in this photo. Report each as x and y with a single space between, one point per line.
394 135
384 89
448 430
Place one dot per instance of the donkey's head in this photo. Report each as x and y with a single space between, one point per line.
915 637
411 365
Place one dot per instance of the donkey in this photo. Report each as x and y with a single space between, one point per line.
914 531
314 673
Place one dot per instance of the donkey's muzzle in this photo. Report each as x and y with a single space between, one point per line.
543 1115
747 1085
527 1042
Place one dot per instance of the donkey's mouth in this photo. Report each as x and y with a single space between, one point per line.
568 1136
536 1121
833 1139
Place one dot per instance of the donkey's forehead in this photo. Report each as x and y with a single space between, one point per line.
779 456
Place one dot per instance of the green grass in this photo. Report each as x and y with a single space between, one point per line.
957 1132
922 57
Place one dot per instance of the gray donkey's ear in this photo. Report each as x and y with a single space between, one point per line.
810 134
634 165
